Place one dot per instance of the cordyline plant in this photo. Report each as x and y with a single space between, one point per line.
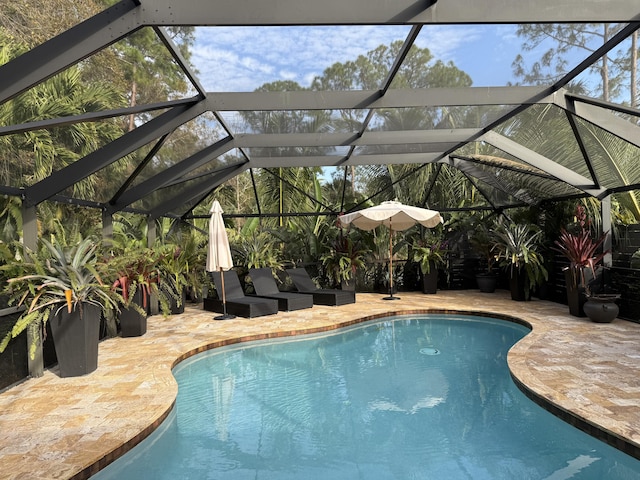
344 258
581 251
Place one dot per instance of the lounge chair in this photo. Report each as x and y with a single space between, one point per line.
321 296
266 287
237 302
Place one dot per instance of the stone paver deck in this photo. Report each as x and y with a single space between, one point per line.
60 428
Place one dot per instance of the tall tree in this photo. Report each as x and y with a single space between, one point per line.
615 71
291 187
419 70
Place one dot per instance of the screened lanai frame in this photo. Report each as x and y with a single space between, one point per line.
508 172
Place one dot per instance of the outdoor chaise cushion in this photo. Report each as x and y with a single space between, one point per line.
304 284
237 302
266 287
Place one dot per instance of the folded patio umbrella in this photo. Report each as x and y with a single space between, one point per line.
219 252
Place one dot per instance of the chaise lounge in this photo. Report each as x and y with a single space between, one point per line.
321 296
266 287
237 302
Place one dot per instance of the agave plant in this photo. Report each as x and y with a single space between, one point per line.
55 278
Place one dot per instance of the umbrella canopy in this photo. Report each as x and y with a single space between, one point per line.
393 215
396 217
219 253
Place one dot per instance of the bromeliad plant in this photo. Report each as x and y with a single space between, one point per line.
56 278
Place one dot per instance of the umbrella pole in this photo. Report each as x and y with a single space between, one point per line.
390 297
224 315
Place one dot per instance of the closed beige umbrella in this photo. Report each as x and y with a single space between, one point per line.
219 253
396 217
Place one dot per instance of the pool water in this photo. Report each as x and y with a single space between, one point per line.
411 397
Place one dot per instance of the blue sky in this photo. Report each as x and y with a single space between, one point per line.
241 59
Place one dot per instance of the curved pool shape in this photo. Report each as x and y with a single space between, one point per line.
411 397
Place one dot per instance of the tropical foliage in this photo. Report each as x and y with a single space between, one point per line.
430 252
346 254
58 277
580 248
518 248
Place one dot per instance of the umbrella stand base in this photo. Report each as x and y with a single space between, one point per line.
226 316
391 298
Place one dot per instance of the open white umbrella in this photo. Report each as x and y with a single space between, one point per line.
219 253
396 217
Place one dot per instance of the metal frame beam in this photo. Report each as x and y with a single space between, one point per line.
110 153
601 118
197 190
542 163
68 48
172 173
382 12
366 99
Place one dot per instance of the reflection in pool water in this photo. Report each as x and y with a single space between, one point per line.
420 397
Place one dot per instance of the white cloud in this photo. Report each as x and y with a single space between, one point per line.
243 58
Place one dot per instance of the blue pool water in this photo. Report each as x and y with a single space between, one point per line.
420 397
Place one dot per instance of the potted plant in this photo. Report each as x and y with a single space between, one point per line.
137 278
345 256
62 286
429 253
518 251
580 248
483 242
173 265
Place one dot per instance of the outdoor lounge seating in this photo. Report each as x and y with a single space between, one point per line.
237 302
304 284
265 286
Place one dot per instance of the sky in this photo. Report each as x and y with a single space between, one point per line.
241 59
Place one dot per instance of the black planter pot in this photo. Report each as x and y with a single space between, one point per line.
430 280
132 322
576 297
518 286
602 308
175 309
487 282
14 361
75 338
349 285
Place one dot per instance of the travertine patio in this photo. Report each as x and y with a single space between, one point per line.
58 428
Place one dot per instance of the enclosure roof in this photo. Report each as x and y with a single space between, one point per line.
517 144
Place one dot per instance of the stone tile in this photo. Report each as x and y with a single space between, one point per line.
55 428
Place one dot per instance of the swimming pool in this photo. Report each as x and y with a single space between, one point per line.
411 397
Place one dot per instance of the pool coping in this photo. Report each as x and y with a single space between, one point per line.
543 318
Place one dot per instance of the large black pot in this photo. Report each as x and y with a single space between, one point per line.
175 309
602 308
14 361
576 297
132 322
487 282
75 337
430 280
518 285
